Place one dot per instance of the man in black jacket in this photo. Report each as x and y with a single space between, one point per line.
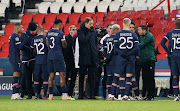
71 71
88 55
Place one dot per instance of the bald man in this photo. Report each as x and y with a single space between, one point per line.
174 51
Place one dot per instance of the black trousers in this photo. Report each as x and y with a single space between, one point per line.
98 73
148 78
26 78
137 73
90 70
71 73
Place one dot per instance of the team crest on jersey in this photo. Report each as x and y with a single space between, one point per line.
17 38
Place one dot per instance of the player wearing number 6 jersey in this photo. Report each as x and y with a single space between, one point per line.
174 50
56 41
40 69
125 46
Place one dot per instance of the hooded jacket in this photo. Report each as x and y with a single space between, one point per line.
88 46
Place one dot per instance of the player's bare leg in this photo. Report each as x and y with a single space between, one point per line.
64 87
51 79
175 84
15 86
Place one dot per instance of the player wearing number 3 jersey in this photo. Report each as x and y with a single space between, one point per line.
174 50
56 41
125 47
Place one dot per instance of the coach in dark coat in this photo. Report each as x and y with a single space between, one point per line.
88 55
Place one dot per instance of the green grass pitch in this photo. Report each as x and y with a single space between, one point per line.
160 104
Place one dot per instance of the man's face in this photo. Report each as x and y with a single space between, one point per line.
20 29
89 24
73 30
140 31
109 28
132 27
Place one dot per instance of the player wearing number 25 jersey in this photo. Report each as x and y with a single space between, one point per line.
40 69
174 50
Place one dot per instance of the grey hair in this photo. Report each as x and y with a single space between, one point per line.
72 26
115 26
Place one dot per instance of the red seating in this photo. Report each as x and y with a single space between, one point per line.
154 16
9 29
174 13
5 47
140 22
128 14
142 14
113 15
66 28
38 18
63 17
78 25
161 56
47 26
161 24
120 22
74 18
25 26
86 14
106 22
49 18
26 18
4 54
4 39
98 19
156 31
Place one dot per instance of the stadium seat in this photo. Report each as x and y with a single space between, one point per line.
154 16
113 15
174 13
66 28
83 1
90 7
78 25
128 5
7 2
2 9
71 1
66 7
60 1
160 24
4 54
63 17
38 18
5 47
47 26
115 5
106 22
43 7
9 28
74 18
140 22
120 23
78 7
26 18
102 6
55 7
25 26
86 14
128 14
17 3
143 14
97 1
161 56
156 31
4 39
49 18
98 19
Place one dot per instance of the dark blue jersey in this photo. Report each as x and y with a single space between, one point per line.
108 45
55 37
126 43
174 41
14 48
39 45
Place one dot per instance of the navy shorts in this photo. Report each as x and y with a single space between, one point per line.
56 66
40 71
15 67
110 70
175 65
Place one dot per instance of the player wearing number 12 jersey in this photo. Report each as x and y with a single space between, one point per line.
125 46
56 41
40 69
174 50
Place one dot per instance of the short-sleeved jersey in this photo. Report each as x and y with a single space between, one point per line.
125 41
39 45
108 45
174 40
55 37
14 51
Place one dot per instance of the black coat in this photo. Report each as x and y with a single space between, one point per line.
88 46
